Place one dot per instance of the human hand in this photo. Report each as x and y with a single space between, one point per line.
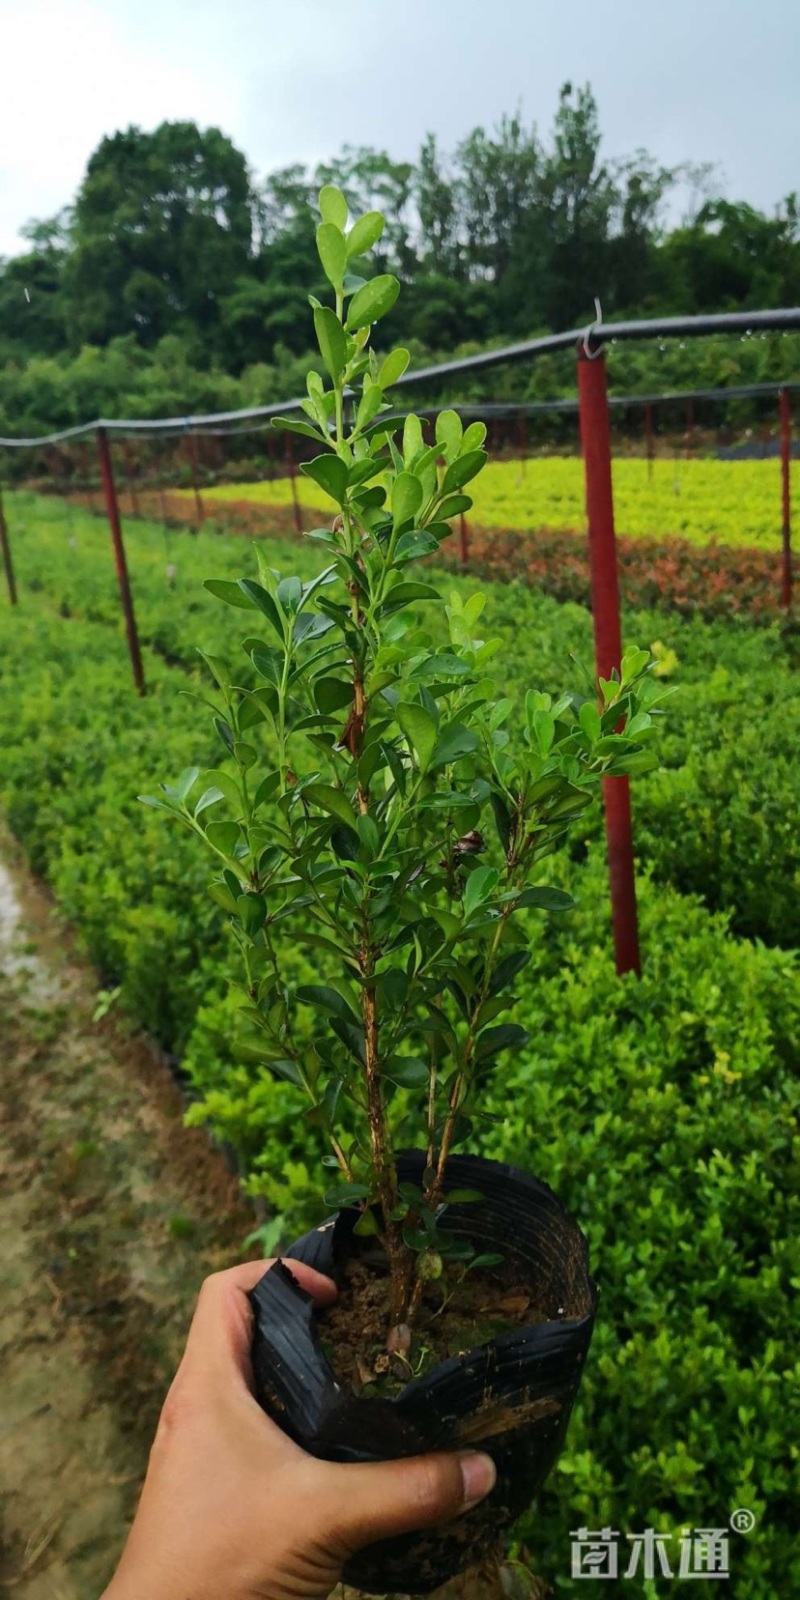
232 1509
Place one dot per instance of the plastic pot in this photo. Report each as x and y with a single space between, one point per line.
511 1397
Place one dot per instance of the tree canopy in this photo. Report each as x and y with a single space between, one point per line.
172 238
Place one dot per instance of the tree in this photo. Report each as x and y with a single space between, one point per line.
162 226
499 185
437 202
578 195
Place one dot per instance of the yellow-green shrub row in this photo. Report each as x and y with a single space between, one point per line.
705 501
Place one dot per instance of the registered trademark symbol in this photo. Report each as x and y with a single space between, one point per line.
743 1520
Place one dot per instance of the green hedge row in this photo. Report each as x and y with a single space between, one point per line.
719 822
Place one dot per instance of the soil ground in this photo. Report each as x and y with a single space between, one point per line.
111 1214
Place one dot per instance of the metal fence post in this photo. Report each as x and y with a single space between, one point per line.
290 468
191 446
648 429
596 442
112 511
130 475
786 496
7 562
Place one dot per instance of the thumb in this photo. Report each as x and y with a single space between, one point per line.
375 1502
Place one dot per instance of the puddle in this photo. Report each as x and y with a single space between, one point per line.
20 956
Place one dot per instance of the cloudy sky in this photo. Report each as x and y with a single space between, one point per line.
710 80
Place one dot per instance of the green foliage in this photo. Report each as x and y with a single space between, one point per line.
356 784
664 1114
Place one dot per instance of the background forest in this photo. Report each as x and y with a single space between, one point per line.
178 281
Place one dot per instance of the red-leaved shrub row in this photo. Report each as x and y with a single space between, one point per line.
710 581
669 573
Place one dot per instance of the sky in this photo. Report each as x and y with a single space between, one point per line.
293 80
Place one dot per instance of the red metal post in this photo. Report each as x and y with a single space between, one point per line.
112 511
596 442
786 495
463 539
191 445
129 473
7 562
650 444
290 468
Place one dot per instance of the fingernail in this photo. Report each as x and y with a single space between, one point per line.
479 1475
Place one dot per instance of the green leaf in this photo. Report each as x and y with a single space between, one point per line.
509 1036
331 694
453 506
454 742
413 441
333 206
294 425
404 593
265 603
463 470
323 998
508 969
287 1070
209 797
334 801
330 472
231 593
365 233
408 1072
369 836
406 497
221 894
372 302
252 911
369 406
589 719
393 366
449 430
463 1197
413 546
185 783
332 252
345 1194
267 789
474 436
331 340
546 899
227 783
367 1226
481 885
438 667
223 836
420 731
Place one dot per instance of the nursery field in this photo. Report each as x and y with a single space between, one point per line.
704 501
663 1110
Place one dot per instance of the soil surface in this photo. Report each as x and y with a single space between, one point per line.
457 1312
111 1215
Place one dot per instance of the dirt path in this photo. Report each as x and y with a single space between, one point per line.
111 1213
